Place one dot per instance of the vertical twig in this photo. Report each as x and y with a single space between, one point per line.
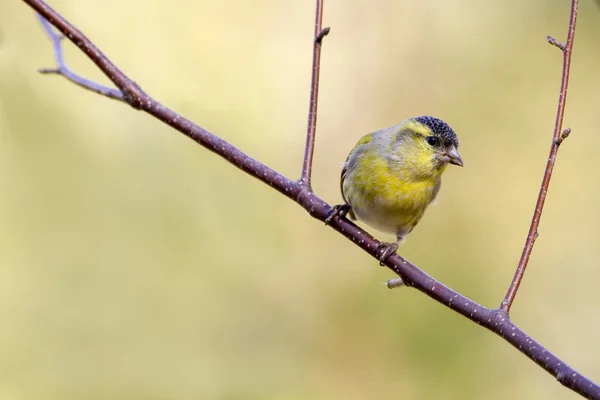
320 33
557 139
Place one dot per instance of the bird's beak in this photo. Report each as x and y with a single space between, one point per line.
451 155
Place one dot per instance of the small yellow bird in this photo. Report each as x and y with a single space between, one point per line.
392 175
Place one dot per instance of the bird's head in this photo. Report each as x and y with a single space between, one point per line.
427 144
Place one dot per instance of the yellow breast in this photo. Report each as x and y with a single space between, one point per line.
389 200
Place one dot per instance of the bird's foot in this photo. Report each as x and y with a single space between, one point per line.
388 250
394 283
340 210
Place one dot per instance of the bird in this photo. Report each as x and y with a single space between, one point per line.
392 175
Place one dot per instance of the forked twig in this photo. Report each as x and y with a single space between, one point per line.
64 70
557 138
495 320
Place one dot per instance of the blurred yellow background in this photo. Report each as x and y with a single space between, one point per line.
134 264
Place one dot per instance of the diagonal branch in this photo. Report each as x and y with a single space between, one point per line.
557 138
309 149
494 320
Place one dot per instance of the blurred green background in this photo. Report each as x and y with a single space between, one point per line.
134 264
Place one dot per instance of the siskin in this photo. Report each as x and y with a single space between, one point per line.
392 175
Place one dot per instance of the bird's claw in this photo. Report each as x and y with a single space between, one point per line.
388 250
340 210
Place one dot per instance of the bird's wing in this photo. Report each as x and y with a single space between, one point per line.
344 170
342 178
364 140
436 190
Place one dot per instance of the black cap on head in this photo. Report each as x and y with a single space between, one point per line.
440 128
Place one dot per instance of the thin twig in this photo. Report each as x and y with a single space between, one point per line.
309 149
65 71
495 320
557 139
555 42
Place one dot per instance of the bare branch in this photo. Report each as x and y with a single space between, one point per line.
557 139
320 33
63 70
495 320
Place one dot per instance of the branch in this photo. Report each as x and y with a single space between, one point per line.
557 139
62 69
314 97
495 320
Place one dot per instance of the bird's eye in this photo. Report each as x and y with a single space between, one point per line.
432 140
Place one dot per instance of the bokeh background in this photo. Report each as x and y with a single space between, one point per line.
134 264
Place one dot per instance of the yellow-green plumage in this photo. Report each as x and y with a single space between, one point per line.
392 175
